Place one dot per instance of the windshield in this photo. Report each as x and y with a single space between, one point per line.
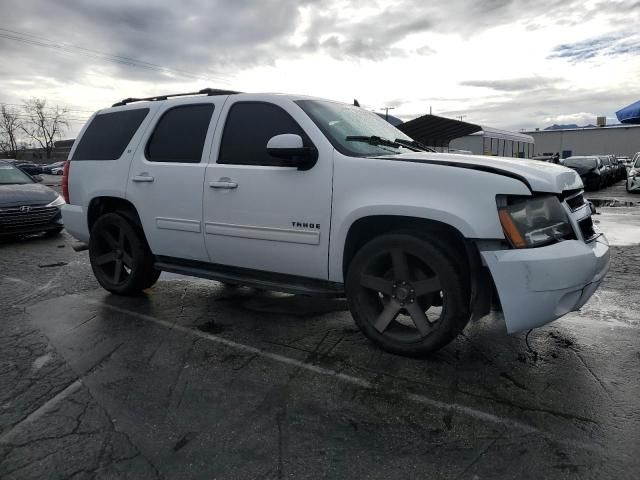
581 162
11 175
637 164
339 121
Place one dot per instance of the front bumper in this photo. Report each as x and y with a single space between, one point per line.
33 219
633 184
539 285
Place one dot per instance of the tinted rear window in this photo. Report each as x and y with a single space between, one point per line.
180 134
581 162
109 134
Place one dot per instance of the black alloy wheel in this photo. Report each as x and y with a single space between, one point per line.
407 294
119 255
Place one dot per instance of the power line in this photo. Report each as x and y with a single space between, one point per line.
47 108
24 115
68 48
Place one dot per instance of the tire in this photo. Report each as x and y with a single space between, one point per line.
394 279
120 257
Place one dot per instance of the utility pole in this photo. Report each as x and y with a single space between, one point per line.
386 112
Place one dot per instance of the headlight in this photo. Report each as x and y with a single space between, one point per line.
57 202
533 221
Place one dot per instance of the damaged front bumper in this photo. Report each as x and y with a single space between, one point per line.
539 285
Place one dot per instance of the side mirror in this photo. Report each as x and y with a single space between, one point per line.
290 146
37 178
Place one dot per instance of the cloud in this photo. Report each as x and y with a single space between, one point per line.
522 110
622 43
400 52
513 85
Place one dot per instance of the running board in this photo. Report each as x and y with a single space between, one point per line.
278 282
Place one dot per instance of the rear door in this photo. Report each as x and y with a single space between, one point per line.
167 173
259 212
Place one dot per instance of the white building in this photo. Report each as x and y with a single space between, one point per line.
492 141
620 140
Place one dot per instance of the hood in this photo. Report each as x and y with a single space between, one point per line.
538 176
26 194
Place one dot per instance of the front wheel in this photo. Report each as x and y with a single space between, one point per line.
119 255
407 294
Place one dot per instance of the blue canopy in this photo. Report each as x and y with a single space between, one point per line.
629 114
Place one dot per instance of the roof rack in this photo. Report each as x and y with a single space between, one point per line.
205 91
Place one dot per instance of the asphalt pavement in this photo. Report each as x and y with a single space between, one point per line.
196 380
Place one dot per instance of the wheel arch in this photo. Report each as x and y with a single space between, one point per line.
109 204
365 228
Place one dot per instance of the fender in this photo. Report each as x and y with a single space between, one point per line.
461 198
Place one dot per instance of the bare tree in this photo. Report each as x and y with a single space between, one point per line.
44 124
10 126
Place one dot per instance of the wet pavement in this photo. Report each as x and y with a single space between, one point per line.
197 380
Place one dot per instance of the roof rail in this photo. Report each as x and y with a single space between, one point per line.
205 91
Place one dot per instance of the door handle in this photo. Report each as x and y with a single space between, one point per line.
142 178
223 184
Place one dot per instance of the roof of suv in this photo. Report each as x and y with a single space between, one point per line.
205 91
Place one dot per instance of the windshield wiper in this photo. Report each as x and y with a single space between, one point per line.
414 145
374 140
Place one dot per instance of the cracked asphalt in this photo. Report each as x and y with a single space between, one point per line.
196 380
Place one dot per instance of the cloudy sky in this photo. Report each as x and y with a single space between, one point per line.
514 64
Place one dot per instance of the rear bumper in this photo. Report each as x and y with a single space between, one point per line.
591 181
633 184
539 285
75 222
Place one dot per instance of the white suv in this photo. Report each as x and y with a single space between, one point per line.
315 197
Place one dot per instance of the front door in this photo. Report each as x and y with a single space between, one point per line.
167 173
260 213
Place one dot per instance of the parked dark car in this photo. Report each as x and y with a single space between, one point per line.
30 168
621 170
25 205
609 168
592 171
48 169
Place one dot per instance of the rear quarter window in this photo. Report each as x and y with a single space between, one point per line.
108 135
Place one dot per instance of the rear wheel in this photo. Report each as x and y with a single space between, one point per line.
120 258
407 294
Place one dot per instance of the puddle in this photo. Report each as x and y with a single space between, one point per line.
210 327
295 305
620 229
613 202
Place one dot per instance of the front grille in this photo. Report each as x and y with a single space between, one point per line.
575 202
586 227
25 217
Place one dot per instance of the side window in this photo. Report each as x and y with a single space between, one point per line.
179 134
249 127
109 134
